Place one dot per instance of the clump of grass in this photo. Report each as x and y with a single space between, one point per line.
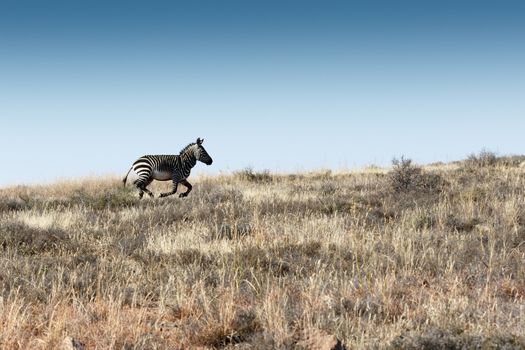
29 240
236 329
423 221
11 204
511 161
475 194
458 225
228 231
120 197
435 338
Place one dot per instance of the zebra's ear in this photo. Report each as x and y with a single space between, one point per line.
200 141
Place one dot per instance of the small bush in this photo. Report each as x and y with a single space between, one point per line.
405 176
248 174
483 159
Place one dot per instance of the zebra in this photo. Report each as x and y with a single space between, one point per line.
176 167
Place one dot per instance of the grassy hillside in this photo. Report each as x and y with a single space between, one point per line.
409 258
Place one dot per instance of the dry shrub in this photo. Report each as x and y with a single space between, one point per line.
405 177
250 175
484 158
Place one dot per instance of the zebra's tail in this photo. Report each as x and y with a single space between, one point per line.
126 177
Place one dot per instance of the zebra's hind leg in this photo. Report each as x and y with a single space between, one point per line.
147 191
141 185
188 186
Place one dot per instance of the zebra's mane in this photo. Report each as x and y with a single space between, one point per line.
182 151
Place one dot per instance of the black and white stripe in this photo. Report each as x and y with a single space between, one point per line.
169 167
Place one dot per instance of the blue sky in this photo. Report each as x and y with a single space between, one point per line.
86 87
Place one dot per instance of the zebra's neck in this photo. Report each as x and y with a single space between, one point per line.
188 160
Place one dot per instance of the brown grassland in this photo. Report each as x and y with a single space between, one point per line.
411 257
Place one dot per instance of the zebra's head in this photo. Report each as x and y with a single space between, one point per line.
201 154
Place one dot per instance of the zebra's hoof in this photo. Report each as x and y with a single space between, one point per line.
162 195
182 195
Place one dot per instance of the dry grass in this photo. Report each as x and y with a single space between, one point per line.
251 260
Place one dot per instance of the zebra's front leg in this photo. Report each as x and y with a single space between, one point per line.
173 191
188 186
